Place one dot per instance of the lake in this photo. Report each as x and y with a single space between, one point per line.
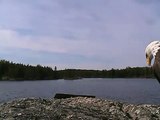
125 90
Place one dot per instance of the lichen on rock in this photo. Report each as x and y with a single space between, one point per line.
78 108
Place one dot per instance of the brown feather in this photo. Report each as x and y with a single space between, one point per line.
156 66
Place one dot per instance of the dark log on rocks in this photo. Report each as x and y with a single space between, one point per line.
63 96
78 108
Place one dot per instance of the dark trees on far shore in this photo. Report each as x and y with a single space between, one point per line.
14 71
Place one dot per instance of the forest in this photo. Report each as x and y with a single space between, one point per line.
18 71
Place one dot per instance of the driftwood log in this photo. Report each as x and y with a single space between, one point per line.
63 96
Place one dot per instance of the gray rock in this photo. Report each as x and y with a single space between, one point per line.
78 108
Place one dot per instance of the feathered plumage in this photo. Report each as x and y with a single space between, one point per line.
153 51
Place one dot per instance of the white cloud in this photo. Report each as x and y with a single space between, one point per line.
13 39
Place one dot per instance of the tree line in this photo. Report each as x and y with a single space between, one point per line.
135 72
17 71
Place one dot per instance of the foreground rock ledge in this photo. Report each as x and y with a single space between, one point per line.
79 108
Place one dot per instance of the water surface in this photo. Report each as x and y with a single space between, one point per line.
126 90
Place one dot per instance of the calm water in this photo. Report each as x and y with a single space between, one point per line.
127 90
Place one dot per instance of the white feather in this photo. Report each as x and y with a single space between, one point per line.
152 48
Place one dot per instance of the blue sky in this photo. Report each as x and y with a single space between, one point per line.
85 34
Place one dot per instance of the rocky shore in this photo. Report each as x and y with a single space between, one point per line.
78 108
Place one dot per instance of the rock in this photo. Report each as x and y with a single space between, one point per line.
77 108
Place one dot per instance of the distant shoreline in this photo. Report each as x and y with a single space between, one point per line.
17 71
70 79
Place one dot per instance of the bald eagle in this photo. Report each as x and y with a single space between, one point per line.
153 51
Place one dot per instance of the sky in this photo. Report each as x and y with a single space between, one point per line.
78 34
